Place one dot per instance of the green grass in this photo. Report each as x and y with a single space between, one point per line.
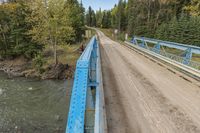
67 54
108 32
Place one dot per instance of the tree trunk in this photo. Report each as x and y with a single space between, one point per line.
158 15
55 53
149 12
55 47
4 37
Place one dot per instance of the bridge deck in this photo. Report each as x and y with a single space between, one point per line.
142 96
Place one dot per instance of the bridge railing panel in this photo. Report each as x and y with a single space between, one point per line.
87 78
186 58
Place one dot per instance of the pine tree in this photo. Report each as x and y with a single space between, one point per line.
76 17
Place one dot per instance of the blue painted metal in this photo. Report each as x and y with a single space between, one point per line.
142 44
187 56
188 49
78 99
87 78
99 114
194 49
133 40
156 48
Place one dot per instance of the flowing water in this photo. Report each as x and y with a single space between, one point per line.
33 106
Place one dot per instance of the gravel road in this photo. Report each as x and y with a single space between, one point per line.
142 96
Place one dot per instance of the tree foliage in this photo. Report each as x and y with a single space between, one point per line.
13 28
194 8
27 26
184 30
173 20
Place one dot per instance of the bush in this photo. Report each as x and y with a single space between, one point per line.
121 37
38 63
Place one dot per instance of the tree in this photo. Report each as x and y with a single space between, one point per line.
94 21
99 16
51 24
13 29
91 18
76 17
184 30
114 17
194 8
131 16
106 20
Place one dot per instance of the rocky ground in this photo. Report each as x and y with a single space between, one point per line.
22 67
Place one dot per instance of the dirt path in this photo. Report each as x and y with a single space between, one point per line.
144 97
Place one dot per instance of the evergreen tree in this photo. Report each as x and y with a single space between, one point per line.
194 8
76 17
89 16
106 20
13 29
183 30
99 16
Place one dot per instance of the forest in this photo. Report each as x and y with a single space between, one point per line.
171 20
38 37
27 26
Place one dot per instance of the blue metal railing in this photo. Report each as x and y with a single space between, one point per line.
185 58
87 78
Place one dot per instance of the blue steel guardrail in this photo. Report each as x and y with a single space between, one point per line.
87 75
188 50
153 55
100 114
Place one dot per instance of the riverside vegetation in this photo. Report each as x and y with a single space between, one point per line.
40 38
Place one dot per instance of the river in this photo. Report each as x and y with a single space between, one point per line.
33 106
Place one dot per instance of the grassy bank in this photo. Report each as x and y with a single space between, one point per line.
67 54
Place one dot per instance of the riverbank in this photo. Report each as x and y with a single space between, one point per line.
22 67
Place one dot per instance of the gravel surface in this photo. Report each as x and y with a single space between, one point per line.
144 97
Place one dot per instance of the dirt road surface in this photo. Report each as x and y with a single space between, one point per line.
144 97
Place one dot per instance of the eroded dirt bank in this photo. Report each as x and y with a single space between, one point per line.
22 67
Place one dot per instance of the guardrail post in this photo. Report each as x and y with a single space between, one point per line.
143 43
156 48
133 40
187 56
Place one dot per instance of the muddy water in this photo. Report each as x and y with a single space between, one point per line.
33 106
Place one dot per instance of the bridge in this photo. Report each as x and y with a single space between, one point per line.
135 87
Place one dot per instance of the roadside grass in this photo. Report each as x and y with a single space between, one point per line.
67 54
108 32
